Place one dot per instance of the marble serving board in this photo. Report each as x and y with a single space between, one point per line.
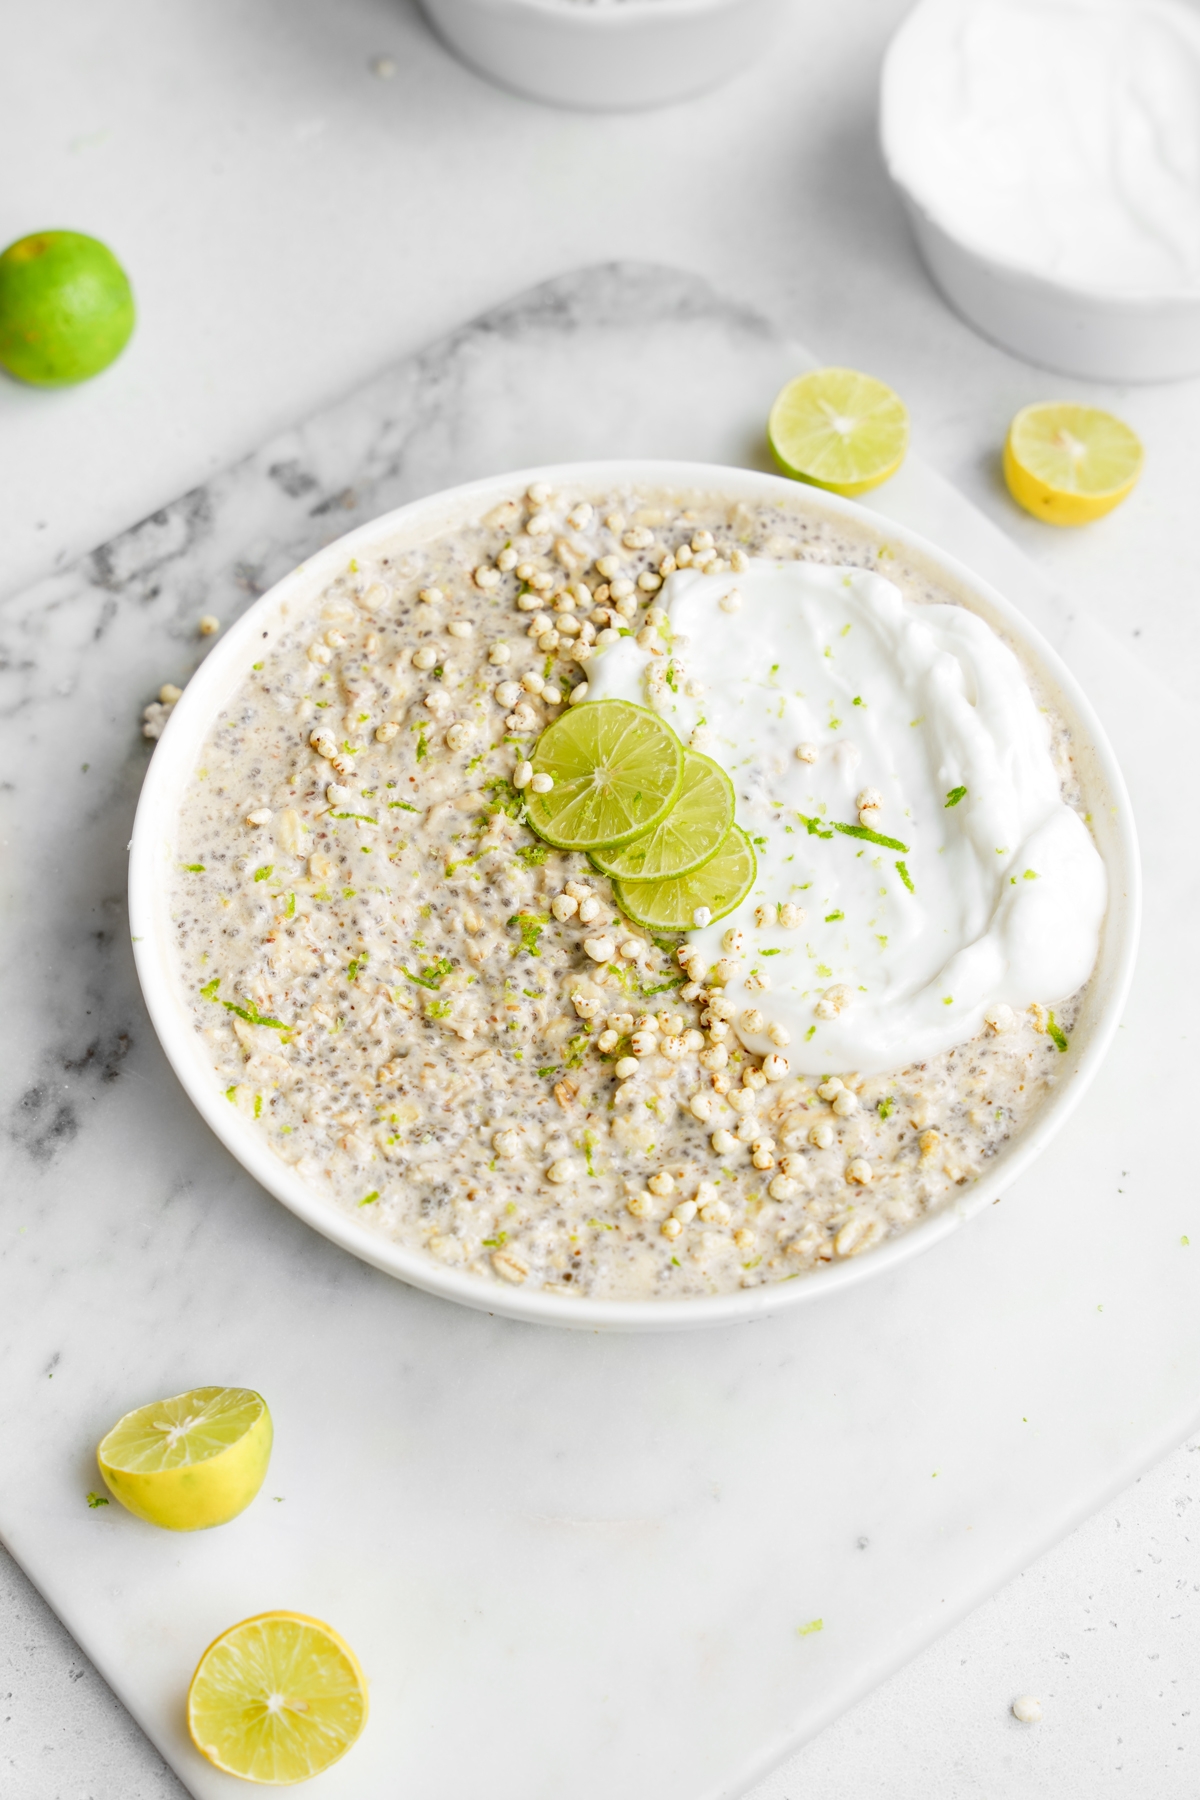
572 1565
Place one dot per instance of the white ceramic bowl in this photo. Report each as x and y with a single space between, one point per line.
1076 330
171 769
608 55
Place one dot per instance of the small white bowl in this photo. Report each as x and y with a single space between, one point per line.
608 55
1075 329
153 859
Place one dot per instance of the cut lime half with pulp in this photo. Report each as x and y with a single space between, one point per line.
838 429
719 885
190 1462
1070 464
687 837
276 1699
616 770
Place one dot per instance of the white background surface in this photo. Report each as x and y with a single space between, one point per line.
291 223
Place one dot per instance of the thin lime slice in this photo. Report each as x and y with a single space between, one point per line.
719 885
689 836
616 770
838 429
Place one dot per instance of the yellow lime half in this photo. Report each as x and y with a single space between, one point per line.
1070 464
717 887
687 837
838 429
615 769
276 1699
190 1462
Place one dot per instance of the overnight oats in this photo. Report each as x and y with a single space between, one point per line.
641 894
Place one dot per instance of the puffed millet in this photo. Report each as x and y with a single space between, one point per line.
208 625
715 1212
845 1104
723 1142
507 1143
522 776
589 909
607 1042
999 1018
685 1211
731 602
752 1077
671 1228
387 731
807 753
779 1035
627 1066
860 1171
751 1019
499 654
661 1183
791 917
486 577
734 941
821 1137
542 783
461 628
870 799
701 1107
560 1171
775 1068
430 595
641 1205
586 1005
261 815
1027 1709
563 906
507 693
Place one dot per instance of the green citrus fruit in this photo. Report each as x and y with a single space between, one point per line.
690 835
615 770
66 308
190 1462
718 886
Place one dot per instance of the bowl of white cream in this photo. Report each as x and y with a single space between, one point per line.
608 55
1048 157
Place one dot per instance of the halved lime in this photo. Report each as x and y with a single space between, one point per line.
1070 464
616 768
838 429
689 836
190 1462
720 885
276 1699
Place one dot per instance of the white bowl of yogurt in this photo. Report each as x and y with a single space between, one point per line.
608 55
912 860
1048 158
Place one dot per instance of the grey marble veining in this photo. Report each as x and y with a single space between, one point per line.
570 1565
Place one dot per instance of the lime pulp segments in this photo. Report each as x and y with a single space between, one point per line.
671 905
689 836
277 1699
617 769
190 1462
838 429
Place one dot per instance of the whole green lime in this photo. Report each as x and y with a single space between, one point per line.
66 308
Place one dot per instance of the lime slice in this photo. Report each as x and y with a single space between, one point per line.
720 885
616 769
1070 464
276 1699
690 834
66 308
190 1462
839 430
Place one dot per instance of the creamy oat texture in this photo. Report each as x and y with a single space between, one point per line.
447 1028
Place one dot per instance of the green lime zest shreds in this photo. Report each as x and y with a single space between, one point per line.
369 1199
530 926
1056 1033
365 817
252 1016
433 975
209 990
870 837
403 805
955 795
906 878
814 827
95 1500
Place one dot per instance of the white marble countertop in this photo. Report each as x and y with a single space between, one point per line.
292 223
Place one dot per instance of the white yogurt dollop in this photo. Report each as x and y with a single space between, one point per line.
1062 136
991 895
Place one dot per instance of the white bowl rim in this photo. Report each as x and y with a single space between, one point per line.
1127 300
175 756
616 15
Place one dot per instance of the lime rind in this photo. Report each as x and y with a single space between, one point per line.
720 884
689 835
617 769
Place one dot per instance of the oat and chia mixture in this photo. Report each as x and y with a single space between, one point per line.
445 1026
